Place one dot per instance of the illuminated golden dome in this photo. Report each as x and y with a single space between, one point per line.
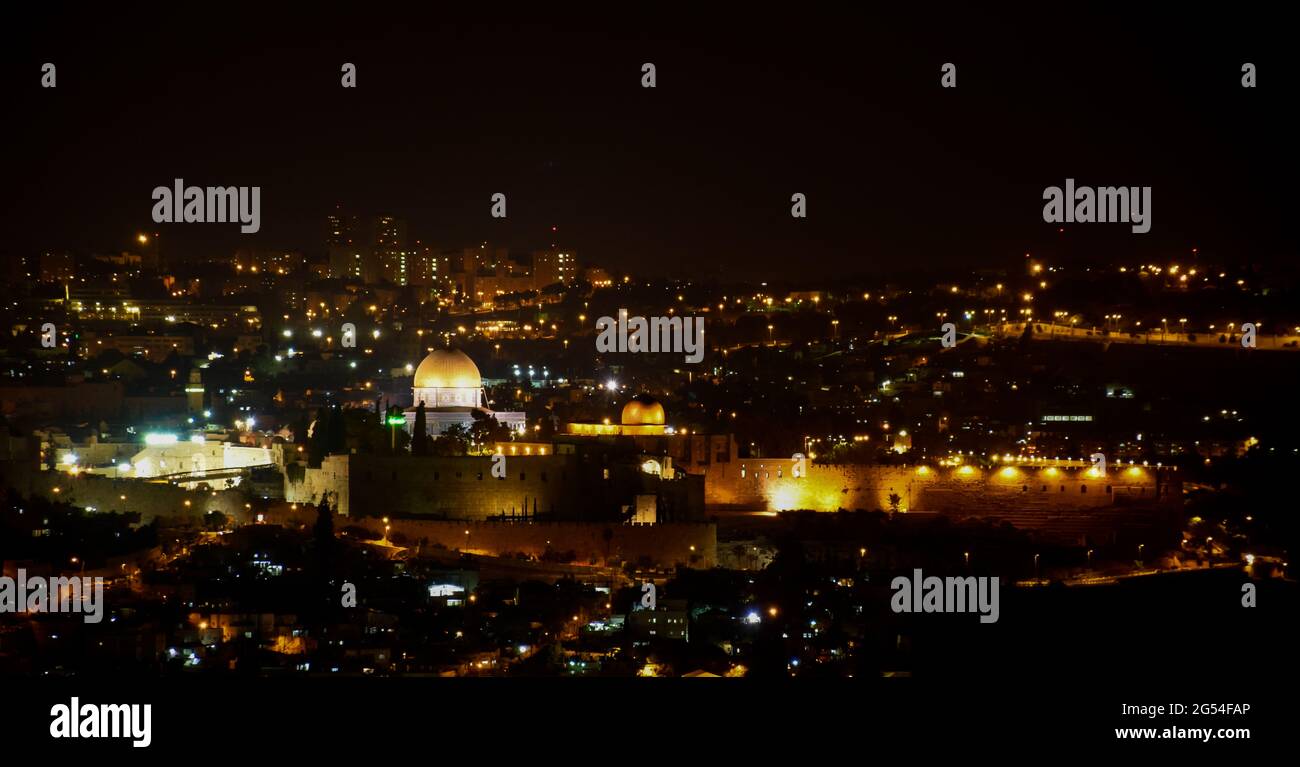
643 410
447 369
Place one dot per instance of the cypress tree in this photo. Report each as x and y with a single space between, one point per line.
324 528
338 432
317 443
420 439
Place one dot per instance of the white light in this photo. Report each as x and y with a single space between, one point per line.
611 384
197 439
288 333
752 618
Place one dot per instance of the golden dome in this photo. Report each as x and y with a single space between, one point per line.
447 369
643 410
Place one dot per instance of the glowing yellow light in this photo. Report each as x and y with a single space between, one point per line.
785 499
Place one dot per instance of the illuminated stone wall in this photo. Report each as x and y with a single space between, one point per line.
770 484
567 486
328 483
149 499
455 487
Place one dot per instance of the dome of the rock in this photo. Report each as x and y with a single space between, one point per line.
447 369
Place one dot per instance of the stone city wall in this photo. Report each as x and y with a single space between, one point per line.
103 494
566 486
770 484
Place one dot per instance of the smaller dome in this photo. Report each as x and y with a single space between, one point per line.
643 410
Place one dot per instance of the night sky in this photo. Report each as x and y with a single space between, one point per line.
692 178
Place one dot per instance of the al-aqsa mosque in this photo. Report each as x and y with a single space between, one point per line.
448 383
642 416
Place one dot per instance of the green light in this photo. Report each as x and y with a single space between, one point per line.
396 420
